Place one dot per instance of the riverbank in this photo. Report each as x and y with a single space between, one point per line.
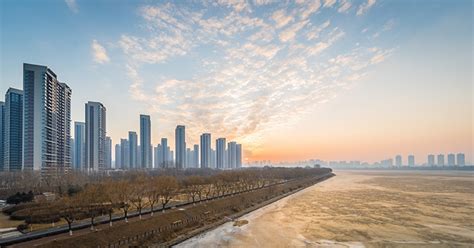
230 219
360 209
175 223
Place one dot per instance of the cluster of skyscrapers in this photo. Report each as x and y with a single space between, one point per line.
35 123
130 155
35 134
453 160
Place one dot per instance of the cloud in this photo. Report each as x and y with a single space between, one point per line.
388 25
263 2
363 8
72 5
344 6
290 33
314 32
281 19
329 3
99 53
254 72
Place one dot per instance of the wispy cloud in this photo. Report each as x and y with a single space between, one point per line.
72 5
264 71
99 53
363 8
344 6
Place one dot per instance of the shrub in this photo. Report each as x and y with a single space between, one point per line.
20 197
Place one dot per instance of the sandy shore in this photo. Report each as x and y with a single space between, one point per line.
360 209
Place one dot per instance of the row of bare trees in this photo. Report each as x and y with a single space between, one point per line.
141 190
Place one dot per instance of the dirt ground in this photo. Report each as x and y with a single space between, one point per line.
361 209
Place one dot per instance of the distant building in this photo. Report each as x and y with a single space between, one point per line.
118 156
196 156
411 160
145 141
398 161
13 130
461 159
206 150
72 151
125 146
2 134
431 160
46 130
451 159
221 162
95 136
108 152
166 154
189 158
180 147
213 158
158 156
239 156
132 149
440 160
80 145
231 155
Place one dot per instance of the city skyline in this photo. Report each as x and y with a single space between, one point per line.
398 64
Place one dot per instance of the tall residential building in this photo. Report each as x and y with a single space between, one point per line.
398 161
189 158
441 160
158 156
13 130
47 120
108 152
411 160
231 155
238 156
167 157
95 136
145 141
133 149
2 134
118 156
461 159
196 156
220 153
80 145
72 151
139 157
213 158
180 147
125 154
431 160
170 157
206 150
451 159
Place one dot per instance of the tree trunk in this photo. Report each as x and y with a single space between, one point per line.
151 211
70 227
92 223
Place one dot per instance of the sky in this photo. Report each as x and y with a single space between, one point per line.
290 80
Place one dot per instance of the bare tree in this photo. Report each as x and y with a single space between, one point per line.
152 193
167 188
138 193
69 210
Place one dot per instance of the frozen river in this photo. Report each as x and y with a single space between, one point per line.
360 209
